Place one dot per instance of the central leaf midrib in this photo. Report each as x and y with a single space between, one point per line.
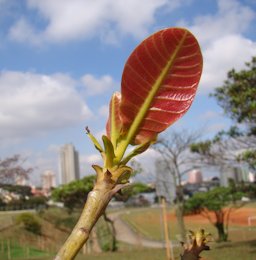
146 104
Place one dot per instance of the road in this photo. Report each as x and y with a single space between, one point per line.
125 234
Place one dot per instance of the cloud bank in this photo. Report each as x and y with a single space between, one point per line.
33 103
65 20
224 45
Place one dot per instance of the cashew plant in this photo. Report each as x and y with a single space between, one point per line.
158 86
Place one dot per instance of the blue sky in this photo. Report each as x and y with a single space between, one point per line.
61 61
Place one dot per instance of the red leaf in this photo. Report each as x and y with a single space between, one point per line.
159 83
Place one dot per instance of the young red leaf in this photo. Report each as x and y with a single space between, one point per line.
159 82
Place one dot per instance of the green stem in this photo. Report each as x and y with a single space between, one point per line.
96 203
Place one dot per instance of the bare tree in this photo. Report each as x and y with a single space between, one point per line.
11 168
224 150
177 161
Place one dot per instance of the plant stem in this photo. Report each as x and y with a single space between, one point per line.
95 205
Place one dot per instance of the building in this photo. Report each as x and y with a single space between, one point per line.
251 177
195 177
237 174
48 180
165 182
69 164
21 180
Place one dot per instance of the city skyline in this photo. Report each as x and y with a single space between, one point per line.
62 60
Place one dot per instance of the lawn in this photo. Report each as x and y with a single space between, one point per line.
149 223
13 250
226 251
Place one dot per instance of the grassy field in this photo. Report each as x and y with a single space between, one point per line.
15 251
149 223
56 225
224 251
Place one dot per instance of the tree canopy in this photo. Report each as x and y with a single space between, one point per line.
74 193
237 95
220 201
237 98
11 168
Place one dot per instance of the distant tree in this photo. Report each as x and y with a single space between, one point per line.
221 202
174 150
2 203
74 193
215 153
11 168
30 223
132 190
37 202
23 191
237 95
237 98
136 166
250 157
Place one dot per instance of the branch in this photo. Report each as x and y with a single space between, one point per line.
205 213
95 205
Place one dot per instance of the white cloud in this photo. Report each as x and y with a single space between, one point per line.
147 162
35 103
221 36
209 115
23 31
104 111
70 20
86 162
95 86
231 18
231 51
99 135
91 159
215 128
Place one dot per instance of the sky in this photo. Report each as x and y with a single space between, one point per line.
60 62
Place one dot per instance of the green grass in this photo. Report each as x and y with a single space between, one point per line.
20 252
148 222
60 217
104 235
226 251
245 250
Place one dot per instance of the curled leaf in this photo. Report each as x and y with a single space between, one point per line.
114 124
109 153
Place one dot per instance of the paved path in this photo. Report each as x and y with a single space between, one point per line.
125 234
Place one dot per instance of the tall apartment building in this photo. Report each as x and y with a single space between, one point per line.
48 180
69 164
165 183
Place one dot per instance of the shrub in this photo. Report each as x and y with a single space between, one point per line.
30 222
